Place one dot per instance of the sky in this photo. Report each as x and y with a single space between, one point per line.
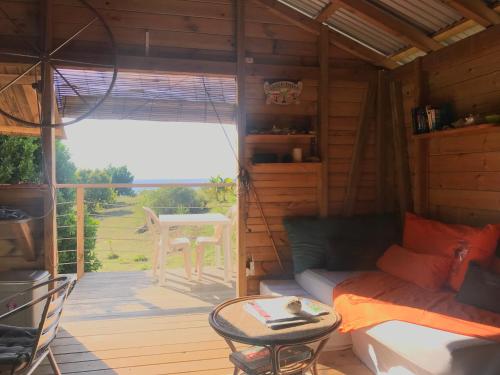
154 150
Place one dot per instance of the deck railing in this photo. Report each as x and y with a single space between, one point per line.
80 204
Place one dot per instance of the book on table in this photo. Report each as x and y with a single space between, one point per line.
272 312
257 359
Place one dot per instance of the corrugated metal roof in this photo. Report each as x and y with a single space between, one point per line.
429 15
350 24
433 17
310 8
462 35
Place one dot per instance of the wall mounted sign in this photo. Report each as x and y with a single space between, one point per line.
283 92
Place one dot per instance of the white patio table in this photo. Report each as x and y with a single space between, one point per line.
169 221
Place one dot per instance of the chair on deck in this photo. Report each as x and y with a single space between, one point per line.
215 240
22 349
175 244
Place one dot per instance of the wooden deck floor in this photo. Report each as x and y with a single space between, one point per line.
122 323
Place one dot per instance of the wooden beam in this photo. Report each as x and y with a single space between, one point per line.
323 116
163 64
475 10
336 38
48 142
241 285
296 18
361 51
365 117
328 10
400 149
382 140
421 178
391 24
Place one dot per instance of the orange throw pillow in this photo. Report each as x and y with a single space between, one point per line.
479 248
434 237
425 270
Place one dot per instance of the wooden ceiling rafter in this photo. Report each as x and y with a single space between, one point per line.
328 10
390 23
336 38
475 10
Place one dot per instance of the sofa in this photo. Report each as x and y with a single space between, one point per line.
391 347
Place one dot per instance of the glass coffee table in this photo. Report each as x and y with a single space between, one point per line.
290 350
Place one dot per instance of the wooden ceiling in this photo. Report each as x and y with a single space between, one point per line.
20 101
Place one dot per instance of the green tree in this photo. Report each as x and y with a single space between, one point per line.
20 160
95 199
219 198
121 175
66 218
174 200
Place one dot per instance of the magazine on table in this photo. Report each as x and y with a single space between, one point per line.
272 312
258 360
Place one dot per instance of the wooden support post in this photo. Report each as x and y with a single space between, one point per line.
48 142
421 178
80 231
382 140
400 149
323 115
241 285
365 117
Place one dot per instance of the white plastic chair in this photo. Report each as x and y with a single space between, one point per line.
175 244
215 240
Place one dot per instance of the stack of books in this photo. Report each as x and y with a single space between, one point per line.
257 360
272 312
429 118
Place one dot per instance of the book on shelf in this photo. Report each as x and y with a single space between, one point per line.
273 314
257 359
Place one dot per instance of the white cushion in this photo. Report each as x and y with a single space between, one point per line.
320 283
400 348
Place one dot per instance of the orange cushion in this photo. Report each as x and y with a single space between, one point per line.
425 270
434 237
479 248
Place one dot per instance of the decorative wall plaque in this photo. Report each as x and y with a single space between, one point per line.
283 92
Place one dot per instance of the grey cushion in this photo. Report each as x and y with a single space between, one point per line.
308 240
16 346
481 288
357 242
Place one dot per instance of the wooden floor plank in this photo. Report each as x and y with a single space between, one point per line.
124 323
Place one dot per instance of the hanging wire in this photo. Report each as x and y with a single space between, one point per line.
245 180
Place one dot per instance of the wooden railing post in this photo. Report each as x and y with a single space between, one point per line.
80 231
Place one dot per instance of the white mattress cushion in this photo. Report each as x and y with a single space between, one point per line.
320 283
337 341
402 348
282 288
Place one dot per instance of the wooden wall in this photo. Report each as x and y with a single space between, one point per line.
463 179
31 201
290 190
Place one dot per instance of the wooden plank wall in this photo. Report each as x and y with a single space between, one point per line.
464 171
346 96
31 201
290 191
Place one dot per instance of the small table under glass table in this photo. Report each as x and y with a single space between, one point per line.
291 350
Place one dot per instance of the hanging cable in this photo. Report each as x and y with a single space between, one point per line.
245 180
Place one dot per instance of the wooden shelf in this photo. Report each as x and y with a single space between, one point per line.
472 129
284 167
277 138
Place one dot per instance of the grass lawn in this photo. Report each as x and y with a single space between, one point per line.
120 247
